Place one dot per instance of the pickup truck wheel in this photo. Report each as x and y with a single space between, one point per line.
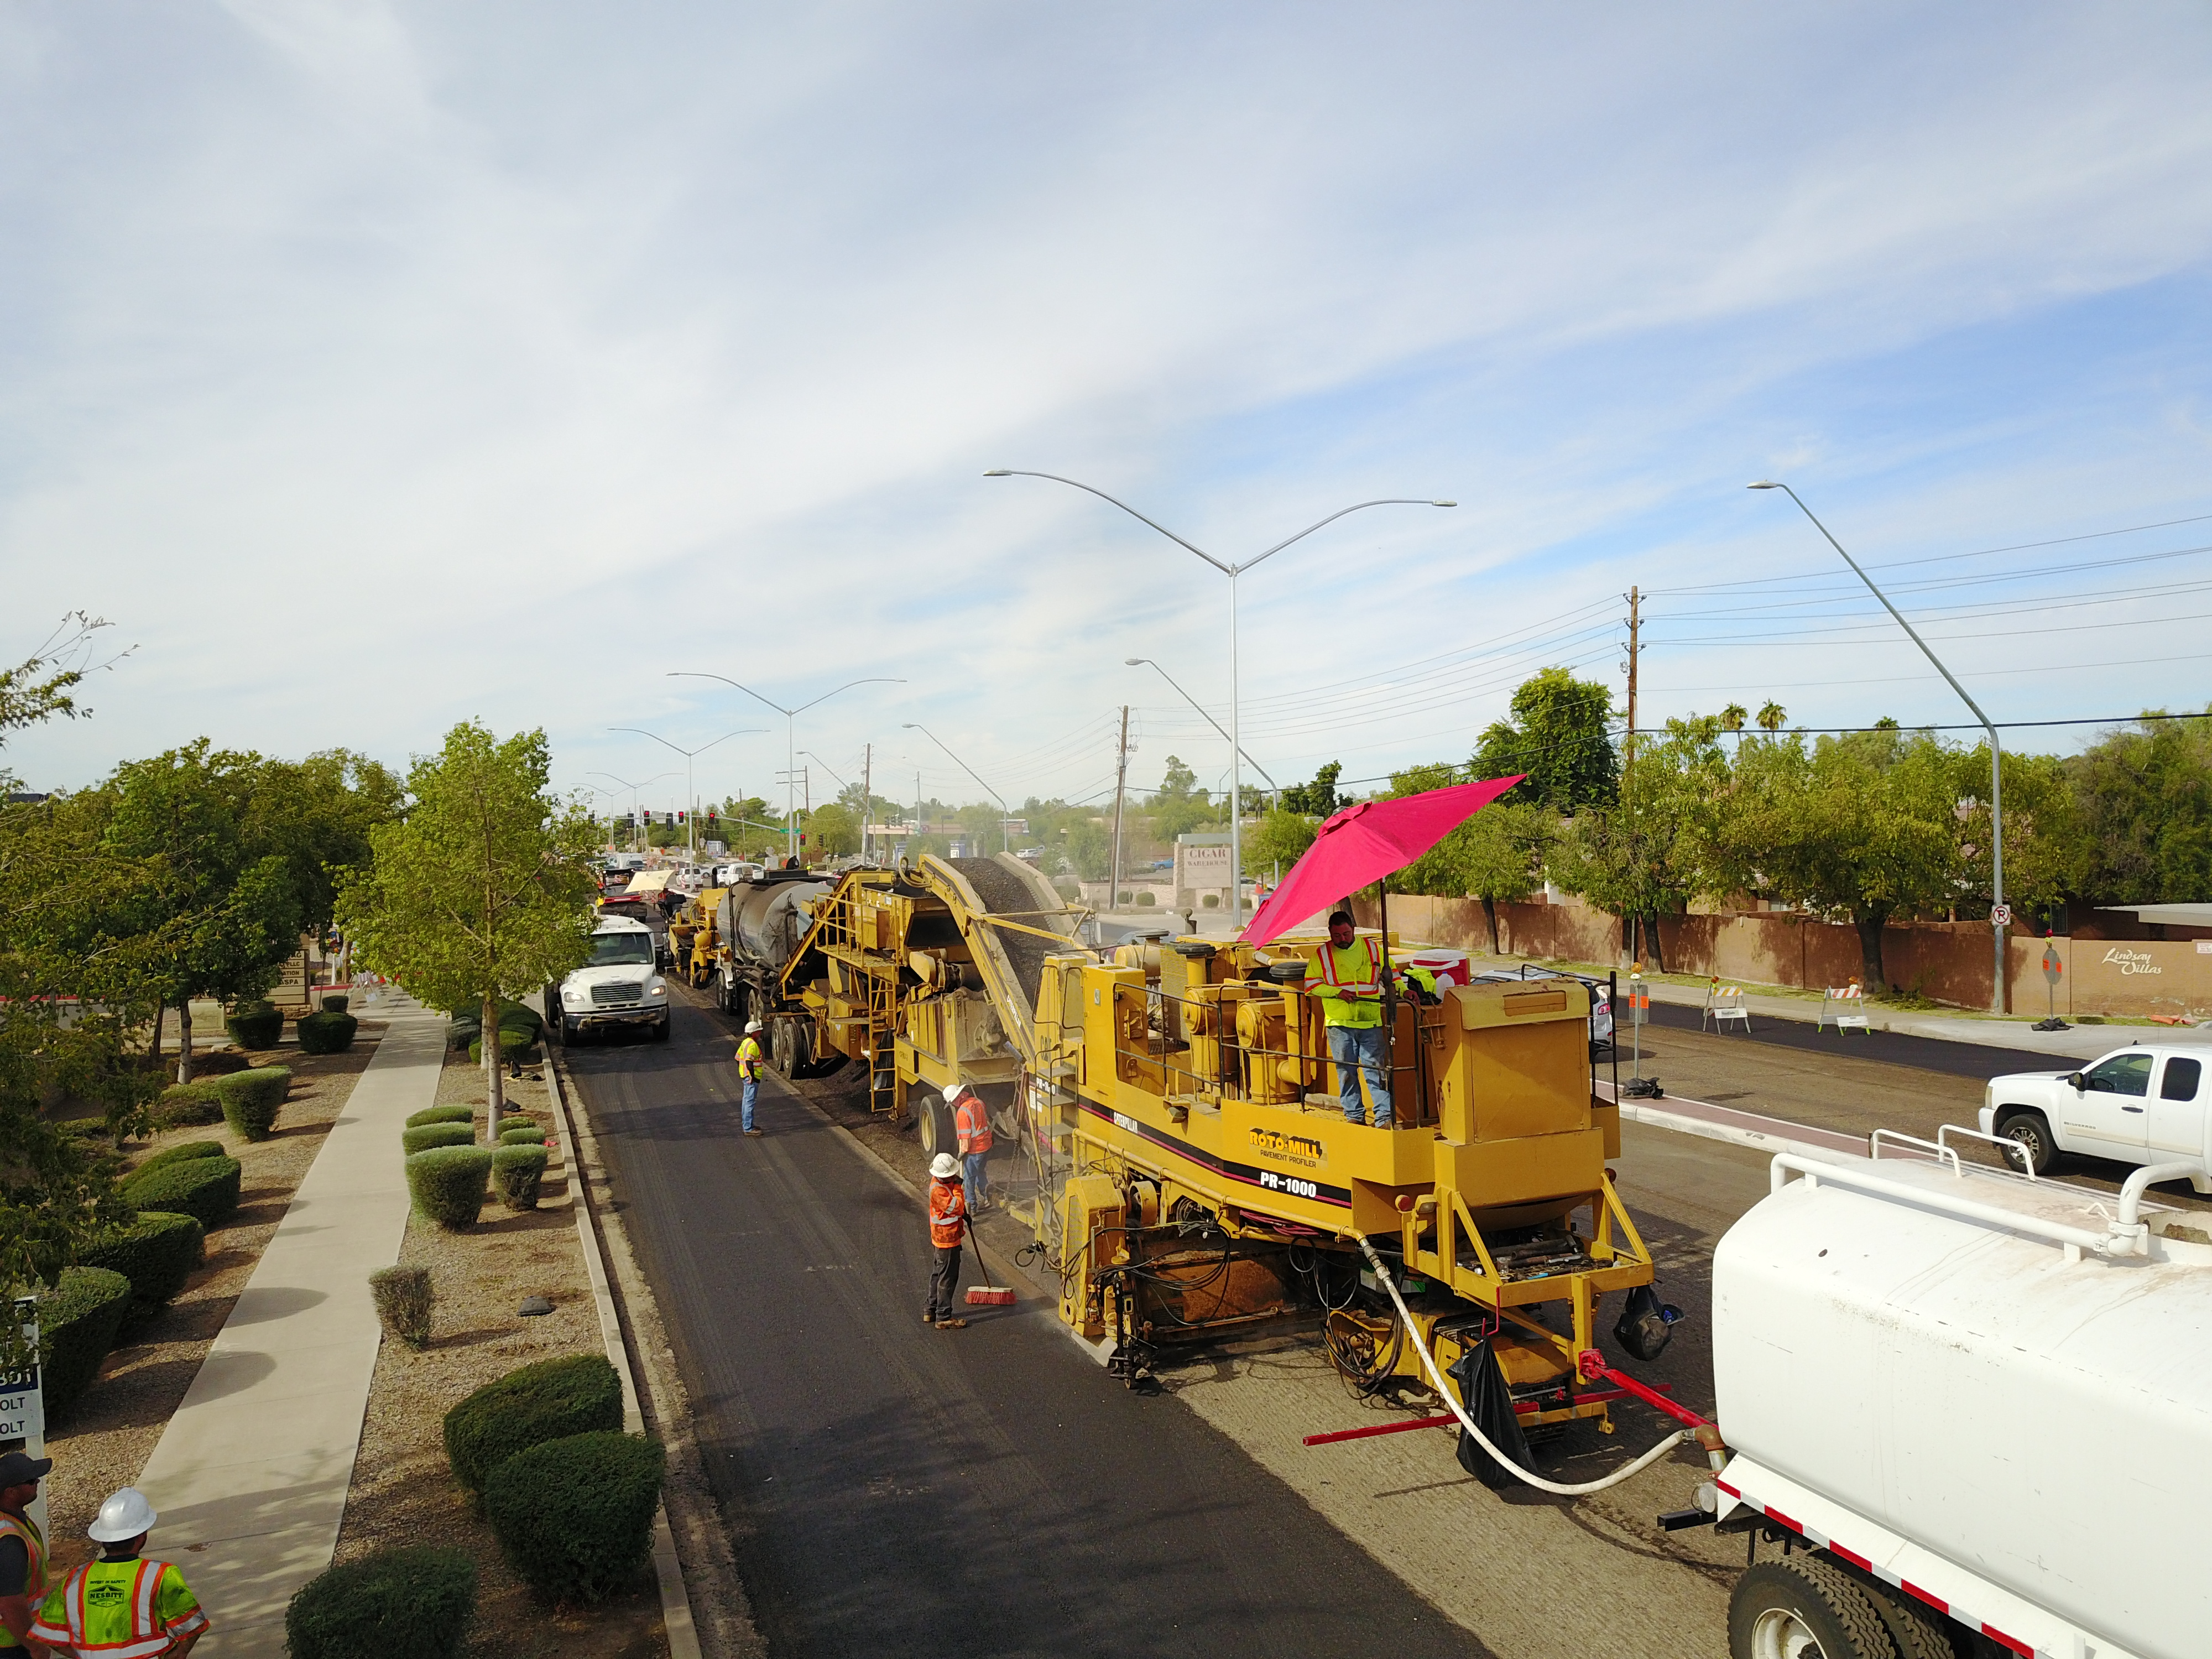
2033 1135
1801 1608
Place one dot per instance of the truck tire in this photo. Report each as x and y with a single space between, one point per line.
660 1031
1916 1630
802 1046
933 1124
2033 1133
1801 1608
778 1045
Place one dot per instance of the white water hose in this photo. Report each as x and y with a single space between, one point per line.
1451 1398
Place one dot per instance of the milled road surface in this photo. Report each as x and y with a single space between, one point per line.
894 1489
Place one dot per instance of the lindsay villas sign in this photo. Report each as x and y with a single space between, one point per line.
2131 962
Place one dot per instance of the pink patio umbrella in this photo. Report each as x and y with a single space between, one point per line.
1365 843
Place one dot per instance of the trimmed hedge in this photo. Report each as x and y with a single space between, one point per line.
448 1184
414 1602
523 1134
424 1136
330 1032
404 1300
156 1253
251 1099
467 1025
441 1115
188 1105
337 1005
255 1024
77 1323
517 1172
183 1154
551 1399
574 1515
205 1188
514 1046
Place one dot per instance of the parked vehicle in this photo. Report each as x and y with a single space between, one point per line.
618 989
2145 1103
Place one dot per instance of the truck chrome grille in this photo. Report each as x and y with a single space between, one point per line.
618 991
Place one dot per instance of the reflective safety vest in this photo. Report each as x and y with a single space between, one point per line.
948 1214
34 1566
1349 983
971 1121
119 1610
750 1059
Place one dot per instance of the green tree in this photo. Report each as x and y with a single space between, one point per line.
1495 856
833 832
1319 798
2141 802
316 815
483 891
1179 806
1559 736
1090 849
1279 839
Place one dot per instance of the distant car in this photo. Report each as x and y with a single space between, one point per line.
619 987
2145 1103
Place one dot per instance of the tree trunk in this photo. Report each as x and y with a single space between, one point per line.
1658 952
154 1047
493 1092
1490 913
1869 925
184 1038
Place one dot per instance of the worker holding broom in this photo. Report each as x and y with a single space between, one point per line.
948 1225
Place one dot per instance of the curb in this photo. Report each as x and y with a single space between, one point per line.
1759 1134
682 1632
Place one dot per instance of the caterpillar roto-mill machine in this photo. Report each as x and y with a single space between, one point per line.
1187 1170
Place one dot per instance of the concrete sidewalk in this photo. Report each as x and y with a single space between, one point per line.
251 1472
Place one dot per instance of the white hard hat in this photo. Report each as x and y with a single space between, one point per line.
752 1025
953 1091
122 1517
943 1166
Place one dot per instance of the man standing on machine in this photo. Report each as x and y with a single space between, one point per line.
1347 974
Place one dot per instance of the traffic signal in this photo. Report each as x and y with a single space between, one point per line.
679 816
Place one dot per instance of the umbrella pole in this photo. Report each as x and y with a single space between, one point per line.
1390 1002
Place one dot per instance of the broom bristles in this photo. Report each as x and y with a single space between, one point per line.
989 1296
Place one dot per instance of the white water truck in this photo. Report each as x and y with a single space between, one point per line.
1968 1412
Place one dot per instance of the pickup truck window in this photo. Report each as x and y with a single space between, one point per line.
2123 1074
2181 1079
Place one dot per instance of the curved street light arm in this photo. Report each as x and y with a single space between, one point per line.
687 754
1389 501
1012 472
693 674
1147 662
847 686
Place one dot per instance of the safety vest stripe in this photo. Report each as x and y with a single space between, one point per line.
142 1593
1331 976
143 1584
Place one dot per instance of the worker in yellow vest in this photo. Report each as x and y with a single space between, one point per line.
22 1548
122 1606
750 1064
1347 974
971 1126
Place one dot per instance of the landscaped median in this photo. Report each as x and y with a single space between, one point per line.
492 1443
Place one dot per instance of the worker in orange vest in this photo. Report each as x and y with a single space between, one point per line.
23 1550
948 1225
971 1126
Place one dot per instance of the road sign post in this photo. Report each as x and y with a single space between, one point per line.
2054 970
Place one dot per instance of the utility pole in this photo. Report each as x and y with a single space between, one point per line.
1120 779
1628 766
1632 621
867 795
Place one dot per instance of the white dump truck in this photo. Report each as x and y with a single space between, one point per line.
1969 1413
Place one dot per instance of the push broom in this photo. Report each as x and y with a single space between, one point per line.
986 1295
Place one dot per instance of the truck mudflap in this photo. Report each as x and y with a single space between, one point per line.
2014 1625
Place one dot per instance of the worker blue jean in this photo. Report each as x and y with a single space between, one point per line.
1356 1050
751 1097
978 1196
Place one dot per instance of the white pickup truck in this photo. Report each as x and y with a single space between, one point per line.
2145 1103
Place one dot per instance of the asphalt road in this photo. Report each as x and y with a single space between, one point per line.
896 1489
1923 1053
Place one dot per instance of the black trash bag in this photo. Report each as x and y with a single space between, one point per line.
1646 1324
1482 1391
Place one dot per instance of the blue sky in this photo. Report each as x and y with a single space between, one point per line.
374 367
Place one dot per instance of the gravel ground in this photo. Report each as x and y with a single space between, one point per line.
106 1440
402 1489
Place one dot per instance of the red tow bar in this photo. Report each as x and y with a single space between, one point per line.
1591 1363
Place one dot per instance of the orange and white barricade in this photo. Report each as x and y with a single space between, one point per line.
1725 1002
1850 1007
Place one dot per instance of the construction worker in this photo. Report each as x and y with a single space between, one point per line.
948 1225
971 1124
120 1606
22 1549
1347 974
750 1060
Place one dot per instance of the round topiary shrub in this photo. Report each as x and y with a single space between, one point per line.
414 1602
254 1024
441 1115
205 1188
551 1399
77 1323
574 1516
337 1005
1144 901
183 1152
188 1105
251 1099
515 1045
156 1253
521 1134
447 1184
517 1172
330 1032
1210 902
424 1136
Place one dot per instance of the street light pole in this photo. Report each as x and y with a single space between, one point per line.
690 799
1997 750
1147 662
790 734
633 788
1006 813
1231 571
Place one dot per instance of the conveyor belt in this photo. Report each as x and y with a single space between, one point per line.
1003 893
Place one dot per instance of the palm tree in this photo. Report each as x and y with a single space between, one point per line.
1771 716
